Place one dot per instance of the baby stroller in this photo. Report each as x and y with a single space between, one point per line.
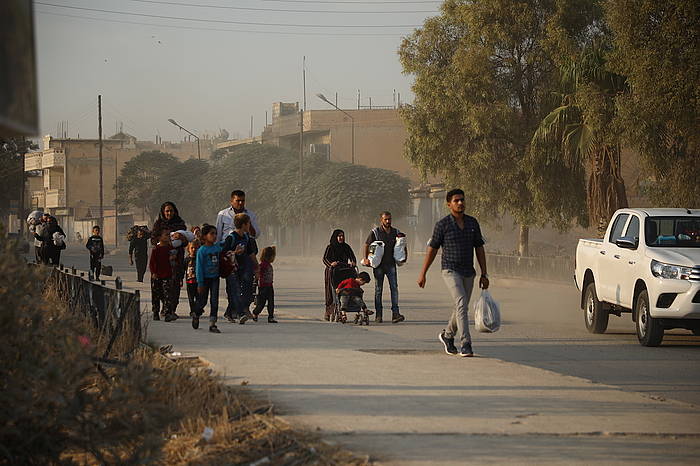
343 272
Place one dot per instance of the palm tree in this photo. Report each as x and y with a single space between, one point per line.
582 129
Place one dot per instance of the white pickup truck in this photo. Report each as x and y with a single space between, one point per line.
648 264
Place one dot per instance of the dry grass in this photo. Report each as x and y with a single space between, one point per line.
56 407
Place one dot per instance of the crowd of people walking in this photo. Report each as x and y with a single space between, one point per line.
199 257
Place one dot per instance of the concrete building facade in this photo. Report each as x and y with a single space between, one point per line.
379 136
63 178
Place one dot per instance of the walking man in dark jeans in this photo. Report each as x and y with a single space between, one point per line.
138 249
459 235
386 233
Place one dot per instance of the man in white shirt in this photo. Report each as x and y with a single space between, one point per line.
224 219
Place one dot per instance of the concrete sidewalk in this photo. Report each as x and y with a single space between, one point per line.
390 392
406 402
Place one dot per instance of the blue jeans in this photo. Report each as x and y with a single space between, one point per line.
211 288
390 273
239 290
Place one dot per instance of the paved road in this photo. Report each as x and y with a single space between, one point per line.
541 390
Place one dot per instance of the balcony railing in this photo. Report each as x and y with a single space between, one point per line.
38 199
53 158
32 161
55 198
47 159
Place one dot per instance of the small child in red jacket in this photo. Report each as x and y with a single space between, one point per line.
350 290
162 277
266 292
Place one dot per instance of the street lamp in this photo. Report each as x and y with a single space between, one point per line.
199 155
352 121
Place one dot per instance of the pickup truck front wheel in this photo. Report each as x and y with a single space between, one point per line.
649 330
594 315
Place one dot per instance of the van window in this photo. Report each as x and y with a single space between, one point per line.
618 227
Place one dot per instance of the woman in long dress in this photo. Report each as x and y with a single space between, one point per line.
337 252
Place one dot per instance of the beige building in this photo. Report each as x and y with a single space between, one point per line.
63 178
379 135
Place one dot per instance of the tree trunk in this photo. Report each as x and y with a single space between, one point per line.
606 188
524 241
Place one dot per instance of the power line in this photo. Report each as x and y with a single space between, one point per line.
281 10
223 21
241 31
356 3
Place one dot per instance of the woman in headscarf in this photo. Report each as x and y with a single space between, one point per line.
169 218
337 252
50 251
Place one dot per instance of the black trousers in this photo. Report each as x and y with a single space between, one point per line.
95 266
141 265
192 298
162 293
266 295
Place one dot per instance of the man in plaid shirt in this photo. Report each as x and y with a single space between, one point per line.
459 235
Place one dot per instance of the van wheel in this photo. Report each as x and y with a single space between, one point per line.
594 315
649 330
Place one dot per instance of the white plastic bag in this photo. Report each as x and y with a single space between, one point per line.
376 252
400 251
58 239
34 217
487 315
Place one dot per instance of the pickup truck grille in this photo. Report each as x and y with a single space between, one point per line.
695 274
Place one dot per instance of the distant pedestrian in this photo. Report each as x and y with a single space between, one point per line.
162 276
96 246
52 241
459 236
191 275
37 222
169 218
239 285
266 291
207 273
138 252
387 268
225 225
224 219
337 252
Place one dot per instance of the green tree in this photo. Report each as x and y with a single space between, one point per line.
139 178
332 192
182 183
12 175
582 128
483 82
657 47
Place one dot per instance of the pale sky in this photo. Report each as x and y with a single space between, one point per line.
211 79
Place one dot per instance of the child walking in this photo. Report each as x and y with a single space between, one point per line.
97 252
266 292
191 274
239 285
162 276
207 272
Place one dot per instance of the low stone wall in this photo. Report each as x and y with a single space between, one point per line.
559 268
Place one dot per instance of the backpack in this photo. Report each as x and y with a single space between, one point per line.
227 264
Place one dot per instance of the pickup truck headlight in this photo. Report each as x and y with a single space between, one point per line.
677 272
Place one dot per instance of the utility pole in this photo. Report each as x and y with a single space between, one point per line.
251 127
116 212
301 150
99 132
